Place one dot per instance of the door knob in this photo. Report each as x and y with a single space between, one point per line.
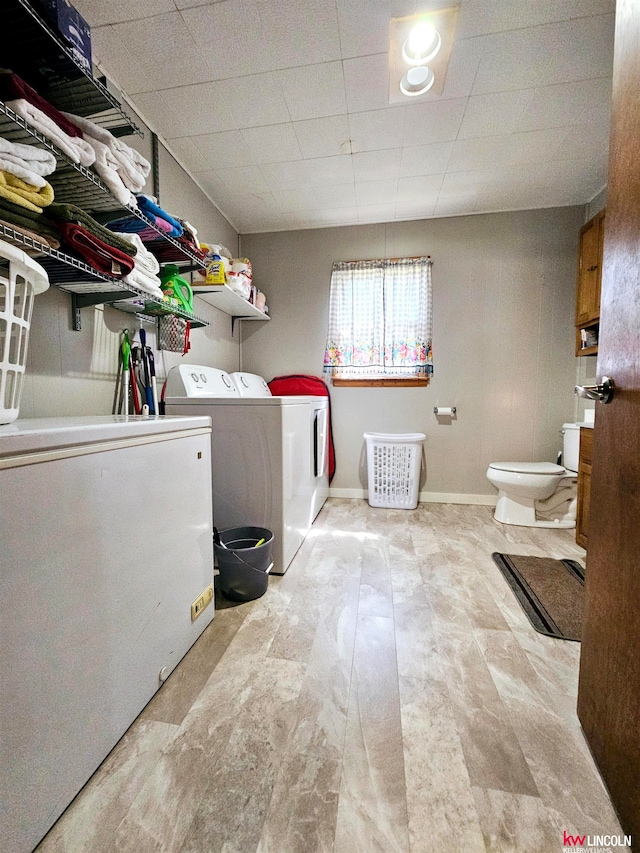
602 392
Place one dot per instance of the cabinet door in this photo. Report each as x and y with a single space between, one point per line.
584 497
584 485
589 266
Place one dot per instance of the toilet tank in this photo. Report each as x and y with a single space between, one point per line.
570 446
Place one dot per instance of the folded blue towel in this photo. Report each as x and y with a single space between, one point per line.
128 225
152 210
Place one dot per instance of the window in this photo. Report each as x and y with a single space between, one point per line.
380 322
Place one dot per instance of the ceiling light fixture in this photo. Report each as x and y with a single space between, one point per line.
417 81
423 44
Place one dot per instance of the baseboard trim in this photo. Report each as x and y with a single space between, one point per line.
423 497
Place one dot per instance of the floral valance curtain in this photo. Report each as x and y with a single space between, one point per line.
380 318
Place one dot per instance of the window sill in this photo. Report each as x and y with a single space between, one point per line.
409 382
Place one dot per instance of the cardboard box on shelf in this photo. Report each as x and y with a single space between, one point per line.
73 27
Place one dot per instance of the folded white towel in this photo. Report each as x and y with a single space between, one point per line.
144 260
107 167
26 161
149 283
74 147
133 167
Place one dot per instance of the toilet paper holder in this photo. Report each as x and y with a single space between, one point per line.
444 411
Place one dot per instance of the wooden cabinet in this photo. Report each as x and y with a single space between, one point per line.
584 485
588 286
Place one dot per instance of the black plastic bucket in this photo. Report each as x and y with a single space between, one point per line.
244 568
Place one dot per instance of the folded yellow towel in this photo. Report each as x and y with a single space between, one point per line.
24 194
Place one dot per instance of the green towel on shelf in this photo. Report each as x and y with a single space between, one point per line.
28 219
71 213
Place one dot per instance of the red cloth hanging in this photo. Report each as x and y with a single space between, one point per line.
298 384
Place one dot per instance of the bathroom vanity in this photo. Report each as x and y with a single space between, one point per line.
584 485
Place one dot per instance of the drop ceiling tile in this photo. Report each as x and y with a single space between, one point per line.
416 209
322 137
221 150
455 204
301 32
196 109
597 113
314 91
376 212
413 189
378 129
591 53
285 176
242 205
367 82
563 104
477 154
151 40
330 170
533 146
477 17
255 100
120 64
231 38
340 195
459 182
97 13
337 216
494 114
244 179
376 192
188 152
516 60
462 68
210 183
436 121
511 197
579 172
505 173
425 159
377 165
296 200
364 27
154 111
275 143
584 142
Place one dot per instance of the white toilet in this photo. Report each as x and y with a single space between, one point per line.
539 494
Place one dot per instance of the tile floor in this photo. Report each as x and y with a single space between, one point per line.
387 694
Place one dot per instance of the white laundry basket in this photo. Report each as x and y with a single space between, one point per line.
393 465
21 278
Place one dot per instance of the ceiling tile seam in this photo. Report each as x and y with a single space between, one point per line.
553 23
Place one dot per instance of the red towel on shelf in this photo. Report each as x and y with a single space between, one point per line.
102 257
13 87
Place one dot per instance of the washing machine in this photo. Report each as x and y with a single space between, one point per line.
268 461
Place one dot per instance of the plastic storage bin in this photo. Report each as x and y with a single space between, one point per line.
393 465
244 565
21 278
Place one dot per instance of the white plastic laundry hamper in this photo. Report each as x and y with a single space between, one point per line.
393 465
21 278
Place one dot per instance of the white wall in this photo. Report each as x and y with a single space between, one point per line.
504 291
74 373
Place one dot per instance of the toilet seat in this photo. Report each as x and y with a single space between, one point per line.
529 467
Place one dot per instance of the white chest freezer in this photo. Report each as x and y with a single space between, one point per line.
105 542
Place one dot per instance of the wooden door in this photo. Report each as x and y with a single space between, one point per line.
609 689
